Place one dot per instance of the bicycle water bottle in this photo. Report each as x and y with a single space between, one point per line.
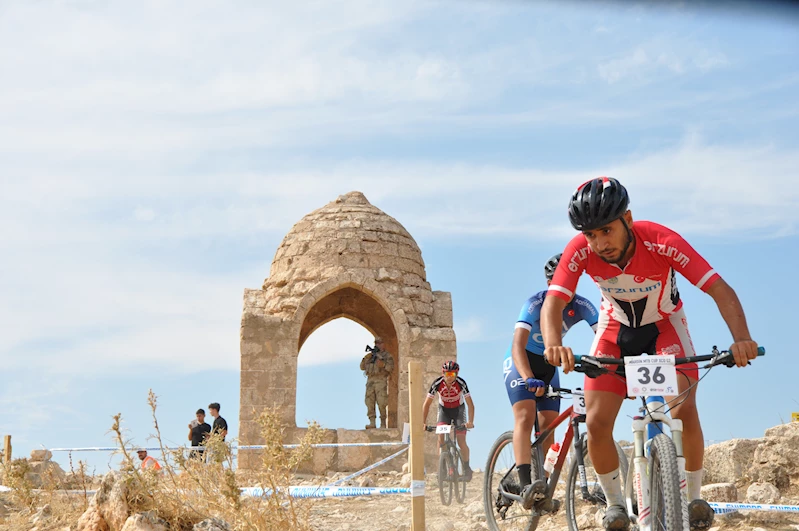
552 457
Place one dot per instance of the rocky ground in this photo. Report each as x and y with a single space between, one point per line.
389 513
764 470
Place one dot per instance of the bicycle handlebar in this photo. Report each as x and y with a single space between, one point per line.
592 366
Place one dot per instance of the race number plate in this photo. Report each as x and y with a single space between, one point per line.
579 402
650 375
445 428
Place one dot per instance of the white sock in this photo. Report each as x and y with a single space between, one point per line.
611 484
694 480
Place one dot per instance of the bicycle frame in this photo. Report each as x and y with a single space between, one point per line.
536 447
638 474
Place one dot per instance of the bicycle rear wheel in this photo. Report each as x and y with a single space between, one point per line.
501 513
580 509
460 484
665 500
445 482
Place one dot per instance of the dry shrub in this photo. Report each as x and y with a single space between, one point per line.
188 490
16 476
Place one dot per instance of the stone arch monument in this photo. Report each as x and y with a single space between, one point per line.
346 259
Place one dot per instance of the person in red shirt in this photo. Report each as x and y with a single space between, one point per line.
634 264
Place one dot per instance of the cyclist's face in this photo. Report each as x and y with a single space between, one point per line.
449 377
608 242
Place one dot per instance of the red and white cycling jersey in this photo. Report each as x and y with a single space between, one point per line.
449 395
645 291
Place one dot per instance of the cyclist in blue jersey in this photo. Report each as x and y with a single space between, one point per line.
527 374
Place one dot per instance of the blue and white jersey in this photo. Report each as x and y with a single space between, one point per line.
579 309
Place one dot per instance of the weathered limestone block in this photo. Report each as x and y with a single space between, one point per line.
41 455
254 298
762 493
145 522
720 492
384 274
322 459
92 520
42 473
774 461
728 461
352 458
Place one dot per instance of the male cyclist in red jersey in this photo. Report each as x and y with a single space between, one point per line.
634 266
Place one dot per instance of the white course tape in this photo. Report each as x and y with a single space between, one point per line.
417 488
328 492
723 507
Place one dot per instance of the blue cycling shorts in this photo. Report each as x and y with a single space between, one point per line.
515 385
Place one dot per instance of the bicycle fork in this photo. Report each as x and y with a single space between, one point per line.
652 424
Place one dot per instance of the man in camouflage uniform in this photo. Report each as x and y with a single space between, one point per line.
377 365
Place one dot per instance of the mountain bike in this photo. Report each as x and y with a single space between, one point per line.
450 464
656 488
502 491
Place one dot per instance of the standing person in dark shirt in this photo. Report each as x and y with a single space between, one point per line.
220 424
199 430
219 427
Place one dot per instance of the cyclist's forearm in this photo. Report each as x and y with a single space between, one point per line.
519 354
552 321
470 403
730 309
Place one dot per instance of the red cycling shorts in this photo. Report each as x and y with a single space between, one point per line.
614 340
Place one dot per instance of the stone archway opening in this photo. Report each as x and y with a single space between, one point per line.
330 385
360 307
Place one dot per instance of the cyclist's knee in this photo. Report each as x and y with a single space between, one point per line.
599 428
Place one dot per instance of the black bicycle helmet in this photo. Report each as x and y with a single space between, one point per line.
597 203
450 366
551 266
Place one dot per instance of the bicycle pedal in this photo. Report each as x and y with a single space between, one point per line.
548 507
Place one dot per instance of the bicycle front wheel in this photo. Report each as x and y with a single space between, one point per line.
501 513
444 477
664 487
582 506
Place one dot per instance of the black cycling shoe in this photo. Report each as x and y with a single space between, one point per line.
532 493
467 474
700 515
616 518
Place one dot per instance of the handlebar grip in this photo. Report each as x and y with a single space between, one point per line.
761 351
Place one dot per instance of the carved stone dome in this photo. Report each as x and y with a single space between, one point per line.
348 235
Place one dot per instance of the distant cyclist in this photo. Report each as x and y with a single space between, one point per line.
527 373
453 396
635 265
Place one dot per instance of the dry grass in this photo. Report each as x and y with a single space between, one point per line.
186 491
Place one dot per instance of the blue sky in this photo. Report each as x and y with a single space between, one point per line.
152 159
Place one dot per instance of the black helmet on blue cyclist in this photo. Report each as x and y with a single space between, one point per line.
597 203
551 266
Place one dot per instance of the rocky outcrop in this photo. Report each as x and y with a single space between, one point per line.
145 522
43 471
767 467
729 461
108 509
